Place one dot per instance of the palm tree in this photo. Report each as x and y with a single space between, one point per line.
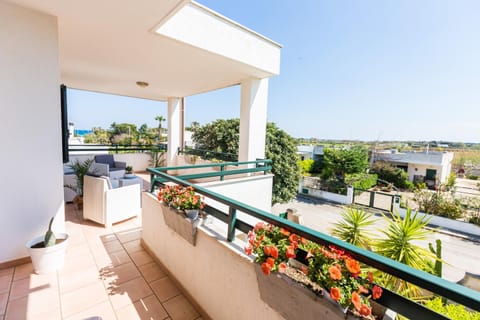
160 119
398 245
353 227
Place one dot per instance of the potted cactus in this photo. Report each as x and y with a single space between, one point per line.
48 251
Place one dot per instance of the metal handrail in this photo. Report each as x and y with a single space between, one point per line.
208 154
114 147
392 300
260 166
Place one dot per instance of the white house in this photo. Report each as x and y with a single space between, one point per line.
310 152
430 167
159 50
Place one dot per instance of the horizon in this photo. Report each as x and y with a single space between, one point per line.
349 71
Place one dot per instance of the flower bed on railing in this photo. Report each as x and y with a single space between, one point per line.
180 207
329 269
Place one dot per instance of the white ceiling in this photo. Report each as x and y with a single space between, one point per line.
108 45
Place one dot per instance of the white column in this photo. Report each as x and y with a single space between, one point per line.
175 129
253 119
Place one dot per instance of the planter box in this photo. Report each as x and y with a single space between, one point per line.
183 226
291 299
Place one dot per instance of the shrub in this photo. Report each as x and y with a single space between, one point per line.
452 311
388 172
361 180
451 180
306 166
472 177
438 204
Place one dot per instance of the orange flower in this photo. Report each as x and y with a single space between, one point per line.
258 226
270 262
248 249
282 267
290 253
365 310
267 250
335 293
266 268
357 302
335 272
353 266
376 292
362 289
274 252
285 232
293 238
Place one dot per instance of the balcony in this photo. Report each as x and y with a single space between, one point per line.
218 254
107 274
141 268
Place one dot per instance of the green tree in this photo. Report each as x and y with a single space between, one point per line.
340 162
223 136
282 150
306 166
219 136
123 133
386 171
98 135
160 119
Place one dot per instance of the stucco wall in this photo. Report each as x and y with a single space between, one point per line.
31 190
221 278
255 191
139 161
422 170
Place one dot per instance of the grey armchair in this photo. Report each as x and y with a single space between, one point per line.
105 165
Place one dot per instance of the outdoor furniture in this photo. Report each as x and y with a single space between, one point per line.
105 204
70 180
122 182
105 165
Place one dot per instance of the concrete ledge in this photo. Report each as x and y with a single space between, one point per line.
462 227
216 273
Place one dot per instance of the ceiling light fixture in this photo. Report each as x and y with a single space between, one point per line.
142 84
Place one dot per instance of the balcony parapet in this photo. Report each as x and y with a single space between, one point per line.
389 299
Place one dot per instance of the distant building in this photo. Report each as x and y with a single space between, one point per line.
310 152
431 167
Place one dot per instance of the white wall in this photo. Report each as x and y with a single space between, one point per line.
139 161
222 281
31 190
422 170
255 191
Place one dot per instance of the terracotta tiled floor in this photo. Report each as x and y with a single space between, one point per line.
107 274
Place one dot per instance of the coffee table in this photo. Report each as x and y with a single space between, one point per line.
127 181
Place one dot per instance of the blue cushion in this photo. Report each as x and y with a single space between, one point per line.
105 158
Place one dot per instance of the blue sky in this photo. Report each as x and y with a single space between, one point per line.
366 70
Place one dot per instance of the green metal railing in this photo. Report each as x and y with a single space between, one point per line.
389 299
157 178
115 148
207 154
